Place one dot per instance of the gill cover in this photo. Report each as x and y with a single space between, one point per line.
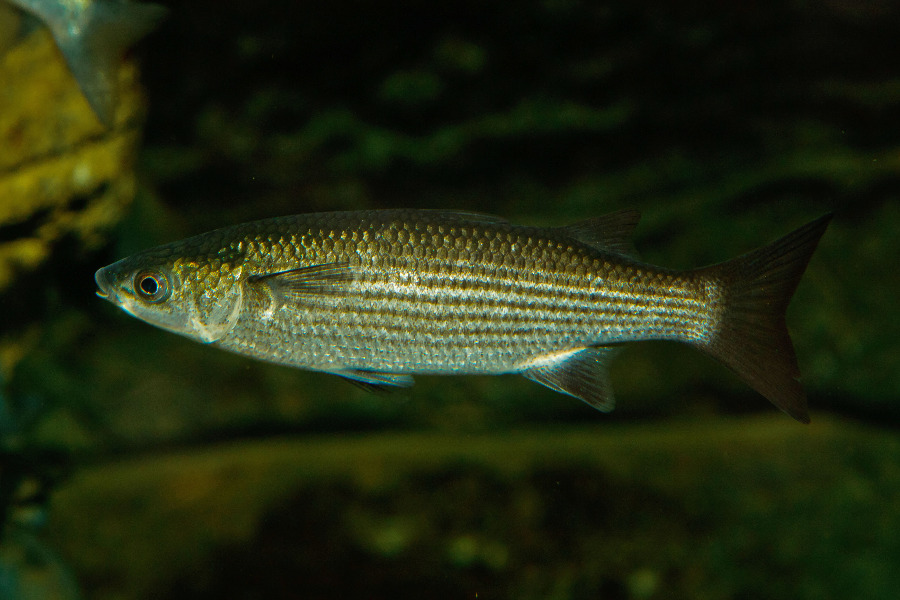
212 318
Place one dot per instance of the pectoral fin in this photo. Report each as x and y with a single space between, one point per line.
292 285
583 374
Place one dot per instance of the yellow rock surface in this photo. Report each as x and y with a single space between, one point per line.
61 172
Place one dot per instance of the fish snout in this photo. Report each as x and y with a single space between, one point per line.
102 280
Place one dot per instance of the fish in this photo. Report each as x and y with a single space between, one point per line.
92 36
378 296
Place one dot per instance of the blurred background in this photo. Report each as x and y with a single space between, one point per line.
137 464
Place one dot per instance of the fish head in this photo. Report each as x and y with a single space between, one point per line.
199 297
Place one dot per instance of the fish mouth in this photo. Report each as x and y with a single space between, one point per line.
105 288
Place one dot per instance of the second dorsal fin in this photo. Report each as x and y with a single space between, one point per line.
611 232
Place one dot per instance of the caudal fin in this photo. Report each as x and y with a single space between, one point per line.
752 337
95 47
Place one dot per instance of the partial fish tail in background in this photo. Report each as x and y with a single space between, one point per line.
93 37
752 337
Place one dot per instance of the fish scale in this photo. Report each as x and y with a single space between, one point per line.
377 296
422 294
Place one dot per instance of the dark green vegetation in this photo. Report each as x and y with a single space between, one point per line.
727 126
714 508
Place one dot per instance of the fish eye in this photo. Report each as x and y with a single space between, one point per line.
151 286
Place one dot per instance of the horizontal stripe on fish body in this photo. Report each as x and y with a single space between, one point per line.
452 297
388 326
377 295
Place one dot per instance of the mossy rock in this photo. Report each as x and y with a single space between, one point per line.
62 174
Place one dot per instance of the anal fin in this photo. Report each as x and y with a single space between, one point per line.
582 373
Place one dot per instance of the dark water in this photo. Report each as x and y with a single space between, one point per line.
167 469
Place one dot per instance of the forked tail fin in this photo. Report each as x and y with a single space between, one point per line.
752 337
93 44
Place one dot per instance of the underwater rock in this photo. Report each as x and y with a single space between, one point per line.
61 172
9 26
64 177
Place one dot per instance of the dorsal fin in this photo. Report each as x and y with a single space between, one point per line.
610 233
465 215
